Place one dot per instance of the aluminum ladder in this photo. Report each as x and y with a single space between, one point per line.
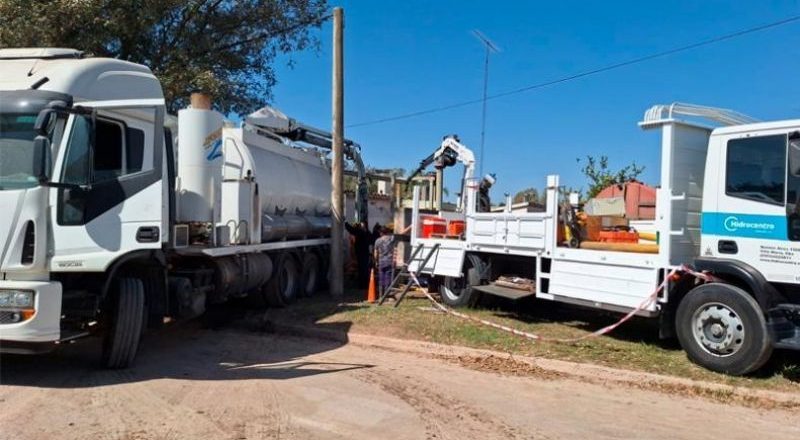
406 275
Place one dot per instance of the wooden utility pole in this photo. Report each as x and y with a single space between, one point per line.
337 165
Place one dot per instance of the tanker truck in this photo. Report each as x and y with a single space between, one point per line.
120 217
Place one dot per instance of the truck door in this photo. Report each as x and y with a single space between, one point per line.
111 163
757 213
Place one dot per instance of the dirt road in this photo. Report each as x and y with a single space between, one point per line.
202 384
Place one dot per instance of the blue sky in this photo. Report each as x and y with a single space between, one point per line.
405 56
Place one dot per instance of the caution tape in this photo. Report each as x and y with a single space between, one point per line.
607 329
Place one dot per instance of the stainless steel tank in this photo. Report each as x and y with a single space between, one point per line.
294 185
291 181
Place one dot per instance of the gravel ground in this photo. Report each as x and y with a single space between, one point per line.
190 383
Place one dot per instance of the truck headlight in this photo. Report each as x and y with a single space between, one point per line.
16 299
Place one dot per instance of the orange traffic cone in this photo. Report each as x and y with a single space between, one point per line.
371 293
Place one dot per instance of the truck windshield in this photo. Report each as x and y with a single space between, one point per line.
16 150
793 190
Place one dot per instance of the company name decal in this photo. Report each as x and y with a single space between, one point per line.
733 224
768 227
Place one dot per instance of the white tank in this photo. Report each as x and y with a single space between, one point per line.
291 181
199 155
294 185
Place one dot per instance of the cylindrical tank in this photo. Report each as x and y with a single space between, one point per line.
290 181
236 275
199 164
273 228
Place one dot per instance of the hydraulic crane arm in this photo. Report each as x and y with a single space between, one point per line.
450 152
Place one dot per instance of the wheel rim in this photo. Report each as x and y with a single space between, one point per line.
311 277
286 282
453 288
718 329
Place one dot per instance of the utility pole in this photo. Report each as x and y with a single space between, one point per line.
490 48
337 165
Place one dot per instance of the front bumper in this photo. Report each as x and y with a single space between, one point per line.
43 327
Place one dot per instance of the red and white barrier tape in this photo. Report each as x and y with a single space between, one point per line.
644 304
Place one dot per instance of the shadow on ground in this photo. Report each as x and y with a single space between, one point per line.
242 349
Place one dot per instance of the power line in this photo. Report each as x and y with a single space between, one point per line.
584 73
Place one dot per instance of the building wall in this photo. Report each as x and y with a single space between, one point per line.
380 209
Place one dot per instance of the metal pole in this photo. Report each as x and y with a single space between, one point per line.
439 189
490 47
483 115
337 165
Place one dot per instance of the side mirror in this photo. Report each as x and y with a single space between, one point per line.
41 158
43 121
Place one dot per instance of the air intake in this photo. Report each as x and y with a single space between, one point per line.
29 245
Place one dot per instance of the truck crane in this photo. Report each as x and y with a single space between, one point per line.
728 204
450 152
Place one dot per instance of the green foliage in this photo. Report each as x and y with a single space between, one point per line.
600 175
526 195
225 47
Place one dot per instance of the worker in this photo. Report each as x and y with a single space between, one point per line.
363 240
384 258
384 255
483 203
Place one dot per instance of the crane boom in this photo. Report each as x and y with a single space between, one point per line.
450 152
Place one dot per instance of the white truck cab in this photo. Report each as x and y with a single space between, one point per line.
62 226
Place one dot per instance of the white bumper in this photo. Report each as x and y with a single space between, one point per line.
45 325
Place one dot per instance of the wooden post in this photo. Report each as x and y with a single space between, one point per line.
337 165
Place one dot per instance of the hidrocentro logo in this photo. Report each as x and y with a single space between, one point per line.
733 224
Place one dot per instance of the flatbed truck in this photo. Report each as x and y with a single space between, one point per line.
728 205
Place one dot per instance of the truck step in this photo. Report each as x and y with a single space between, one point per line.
505 292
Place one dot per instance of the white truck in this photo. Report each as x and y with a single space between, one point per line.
728 204
117 216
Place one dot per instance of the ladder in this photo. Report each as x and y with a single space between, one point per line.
407 276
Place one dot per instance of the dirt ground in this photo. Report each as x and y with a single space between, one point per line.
190 383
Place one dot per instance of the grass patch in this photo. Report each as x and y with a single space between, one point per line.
634 346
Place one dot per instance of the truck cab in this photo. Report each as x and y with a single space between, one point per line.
753 213
81 183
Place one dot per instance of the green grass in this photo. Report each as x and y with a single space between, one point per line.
634 345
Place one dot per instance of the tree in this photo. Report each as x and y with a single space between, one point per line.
600 176
526 195
224 47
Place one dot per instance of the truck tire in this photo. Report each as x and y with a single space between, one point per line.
312 273
458 292
127 314
284 285
722 328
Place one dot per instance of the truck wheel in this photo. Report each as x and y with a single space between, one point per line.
458 292
127 315
312 272
721 327
282 288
